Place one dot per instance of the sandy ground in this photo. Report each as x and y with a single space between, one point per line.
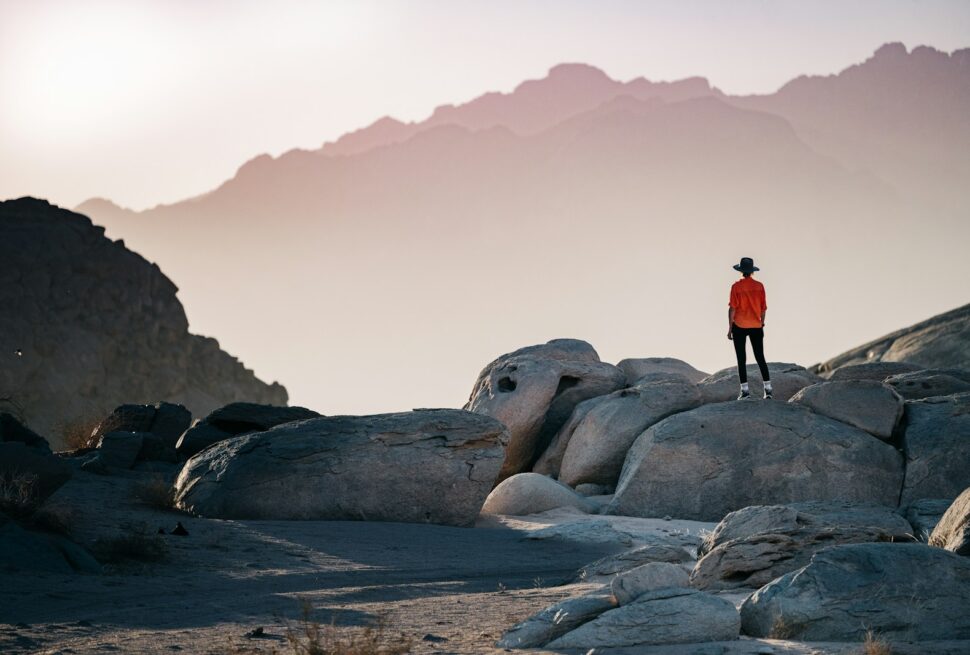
447 590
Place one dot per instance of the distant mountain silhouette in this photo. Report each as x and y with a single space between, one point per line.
389 265
535 105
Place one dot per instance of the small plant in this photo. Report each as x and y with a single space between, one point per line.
875 645
311 638
134 546
58 519
537 582
156 492
18 494
782 629
78 434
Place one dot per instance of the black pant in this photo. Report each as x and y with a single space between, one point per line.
757 336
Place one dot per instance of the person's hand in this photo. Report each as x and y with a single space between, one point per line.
730 335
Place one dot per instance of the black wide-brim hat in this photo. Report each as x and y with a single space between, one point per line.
746 265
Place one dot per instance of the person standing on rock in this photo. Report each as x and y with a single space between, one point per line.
746 319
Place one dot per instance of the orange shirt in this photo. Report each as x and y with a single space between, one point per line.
748 301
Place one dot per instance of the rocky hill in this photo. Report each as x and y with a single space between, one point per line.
942 342
87 325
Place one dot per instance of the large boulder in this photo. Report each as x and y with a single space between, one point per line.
629 585
874 371
556 620
930 382
158 427
425 466
88 324
534 390
868 405
550 460
938 342
664 616
598 444
235 419
786 381
953 530
29 471
707 462
907 592
531 493
755 545
657 368
937 447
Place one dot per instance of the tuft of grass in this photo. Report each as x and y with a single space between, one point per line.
79 433
781 628
18 494
311 638
875 645
134 546
156 492
57 519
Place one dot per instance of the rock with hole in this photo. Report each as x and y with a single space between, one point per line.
533 391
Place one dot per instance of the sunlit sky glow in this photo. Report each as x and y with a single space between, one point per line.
154 101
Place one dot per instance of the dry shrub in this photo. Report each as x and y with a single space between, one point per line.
18 494
58 519
156 492
134 546
77 434
311 638
781 629
875 645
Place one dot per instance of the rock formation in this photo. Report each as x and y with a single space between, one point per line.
88 325
908 592
942 341
425 466
937 447
704 463
534 390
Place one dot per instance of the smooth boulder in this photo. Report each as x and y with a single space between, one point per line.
930 382
630 585
597 447
868 405
425 466
707 462
664 616
786 381
556 620
235 419
908 592
936 443
658 368
532 493
755 545
533 391
953 530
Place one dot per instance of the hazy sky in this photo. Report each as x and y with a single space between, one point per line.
154 101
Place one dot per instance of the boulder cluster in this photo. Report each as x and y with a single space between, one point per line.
824 498
87 325
838 509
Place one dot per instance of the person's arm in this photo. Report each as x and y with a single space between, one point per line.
764 306
730 322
